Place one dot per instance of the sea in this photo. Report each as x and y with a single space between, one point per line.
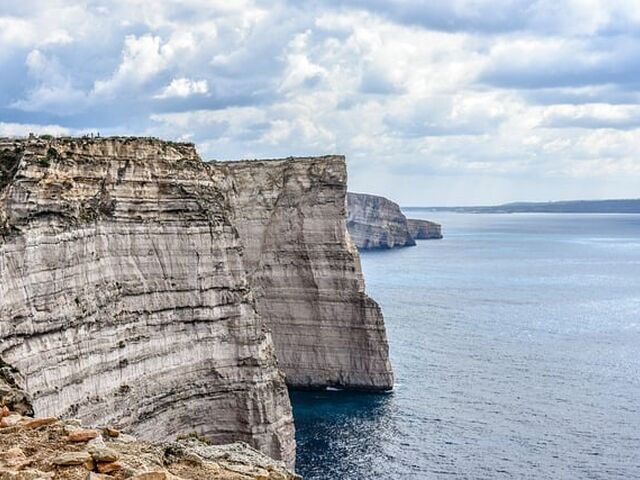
515 342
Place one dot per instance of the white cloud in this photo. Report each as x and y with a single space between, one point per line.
23 129
184 87
470 93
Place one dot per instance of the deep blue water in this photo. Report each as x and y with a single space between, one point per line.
516 347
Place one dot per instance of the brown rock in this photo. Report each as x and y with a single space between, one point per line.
25 475
111 432
109 467
158 475
5 412
10 421
105 455
97 476
82 435
12 457
72 458
39 422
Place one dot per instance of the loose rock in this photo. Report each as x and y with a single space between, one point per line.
73 458
82 435
39 422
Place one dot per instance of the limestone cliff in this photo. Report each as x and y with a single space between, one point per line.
123 293
424 229
290 215
376 222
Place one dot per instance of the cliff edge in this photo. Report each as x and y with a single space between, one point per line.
309 288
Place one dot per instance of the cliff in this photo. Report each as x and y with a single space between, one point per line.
375 222
309 288
139 286
424 229
124 298
50 448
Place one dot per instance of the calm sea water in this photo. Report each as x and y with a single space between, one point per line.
516 348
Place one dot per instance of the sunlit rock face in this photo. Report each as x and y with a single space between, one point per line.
376 222
305 271
424 229
124 297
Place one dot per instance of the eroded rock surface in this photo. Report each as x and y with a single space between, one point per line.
49 451
124 298
376 222
306 273
424 229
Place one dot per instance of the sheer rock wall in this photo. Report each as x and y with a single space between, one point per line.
309 287
124 298
376 222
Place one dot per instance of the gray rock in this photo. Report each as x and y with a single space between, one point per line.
376 222
306 273
424 229
124 299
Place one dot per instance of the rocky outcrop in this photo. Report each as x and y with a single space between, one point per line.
424 229
375 222
124 298
309 288
49 448
378 223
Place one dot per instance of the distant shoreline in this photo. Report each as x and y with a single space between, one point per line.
577 206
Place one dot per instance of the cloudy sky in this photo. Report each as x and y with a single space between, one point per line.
439 102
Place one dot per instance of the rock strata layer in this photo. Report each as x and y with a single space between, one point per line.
424 229
38 449
123 294
309 288
138 286
378 223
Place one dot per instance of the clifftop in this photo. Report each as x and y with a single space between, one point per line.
50 448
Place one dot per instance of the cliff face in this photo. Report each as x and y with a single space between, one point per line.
290 215
424 229
375 222
123 294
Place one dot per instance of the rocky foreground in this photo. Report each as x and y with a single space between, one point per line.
49 448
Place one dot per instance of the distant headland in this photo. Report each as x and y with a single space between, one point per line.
573 206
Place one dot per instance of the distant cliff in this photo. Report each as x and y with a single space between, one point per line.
144 288
376 222
424 229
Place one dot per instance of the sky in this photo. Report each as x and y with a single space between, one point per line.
439 102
